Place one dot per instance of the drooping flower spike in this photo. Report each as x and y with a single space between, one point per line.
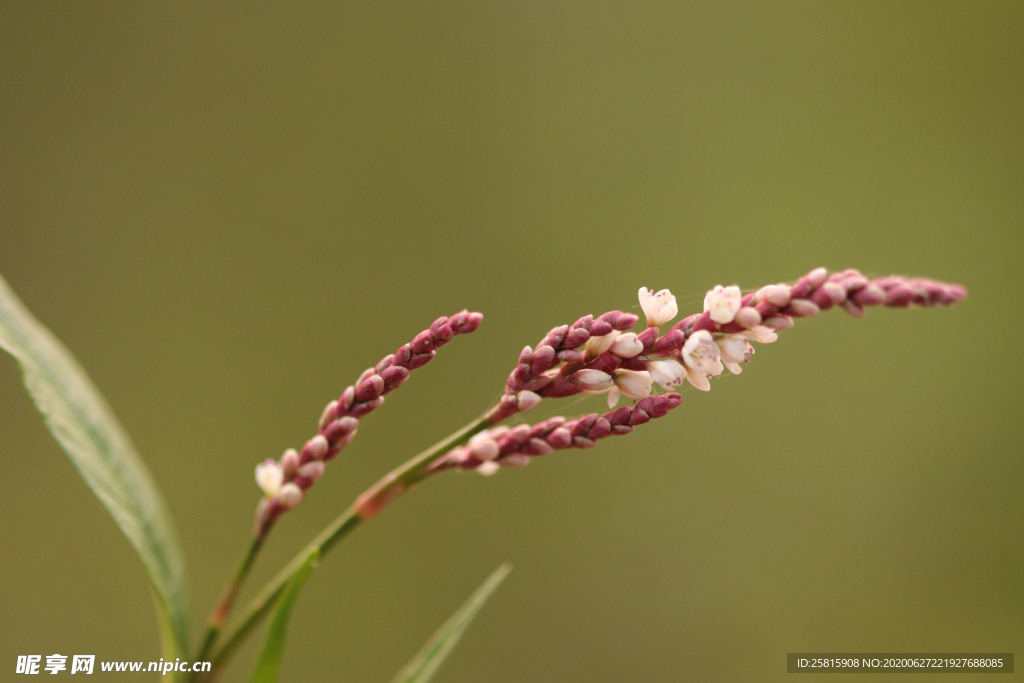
502 446
285 482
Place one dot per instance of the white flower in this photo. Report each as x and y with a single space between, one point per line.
659 308
633 383
488 467
702 358
735 350
722 303
270 477
761 334
698 379
667 372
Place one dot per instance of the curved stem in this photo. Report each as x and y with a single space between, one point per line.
365 507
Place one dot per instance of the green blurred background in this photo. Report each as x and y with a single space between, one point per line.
228 211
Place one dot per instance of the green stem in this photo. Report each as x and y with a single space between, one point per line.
365 507
227 599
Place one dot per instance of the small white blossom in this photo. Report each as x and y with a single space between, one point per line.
667 372
701 353
735 350
698 379
702 358
633 383
761 334
613 397
270 477
658 308
722 303
488 468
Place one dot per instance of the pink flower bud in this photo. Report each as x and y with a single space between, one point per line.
527 399
626 345
290 462
309 473
317 447
290 495
328 414
747 317
804 308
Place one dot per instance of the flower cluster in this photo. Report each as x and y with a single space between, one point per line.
603 355
285 481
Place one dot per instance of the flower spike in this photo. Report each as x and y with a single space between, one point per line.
286 482
598 355
499 447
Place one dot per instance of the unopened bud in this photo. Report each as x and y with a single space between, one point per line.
803 308
312 470
527 399
290 495
627 345
317 447
290 462
592 380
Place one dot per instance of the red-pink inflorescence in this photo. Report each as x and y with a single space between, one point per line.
592 355
596 355
285 481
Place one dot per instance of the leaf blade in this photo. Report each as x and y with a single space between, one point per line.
99 448
426 662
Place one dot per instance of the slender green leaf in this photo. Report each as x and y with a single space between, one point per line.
426 662
100 449
273 649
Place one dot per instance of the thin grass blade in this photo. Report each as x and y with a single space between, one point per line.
426 662
273 648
